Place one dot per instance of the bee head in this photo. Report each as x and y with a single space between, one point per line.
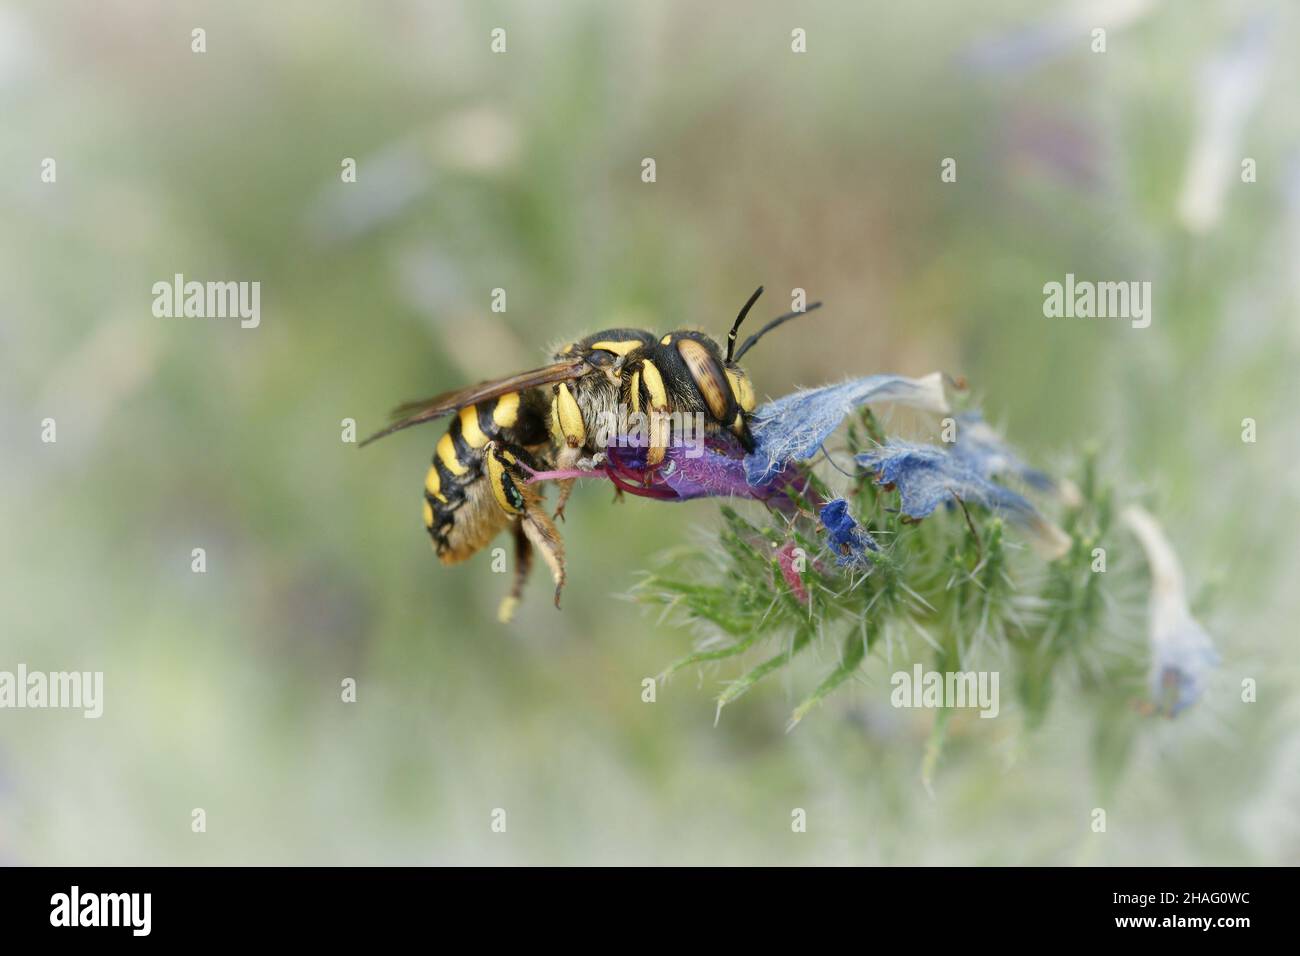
704 379
607 352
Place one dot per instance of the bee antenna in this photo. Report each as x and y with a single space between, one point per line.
744 311
780 320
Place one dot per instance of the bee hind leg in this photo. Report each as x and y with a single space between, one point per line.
523 565
542 535
522 501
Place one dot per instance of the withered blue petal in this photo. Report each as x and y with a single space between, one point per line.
927 477
793 428
985 452
848 540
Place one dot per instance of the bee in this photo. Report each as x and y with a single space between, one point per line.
506 430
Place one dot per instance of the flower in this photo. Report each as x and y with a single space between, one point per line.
927 477
785 430
716 471
1182 654
847 539
786 560
793 428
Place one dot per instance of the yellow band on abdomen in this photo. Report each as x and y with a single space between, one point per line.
469 429
447 455
433 484
506 412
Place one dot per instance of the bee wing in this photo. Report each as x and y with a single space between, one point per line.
427 409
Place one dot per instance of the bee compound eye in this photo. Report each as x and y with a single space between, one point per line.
600 358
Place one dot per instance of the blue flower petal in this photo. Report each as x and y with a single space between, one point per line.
1181 665
850 542
927 477
793 428
1182 654
984 451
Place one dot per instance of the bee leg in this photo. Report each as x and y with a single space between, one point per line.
566 484
566 489
566 459
542 535
521 500
523 565
660 425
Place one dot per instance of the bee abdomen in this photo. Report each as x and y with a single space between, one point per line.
459 516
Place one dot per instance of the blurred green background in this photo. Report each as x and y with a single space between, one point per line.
522 171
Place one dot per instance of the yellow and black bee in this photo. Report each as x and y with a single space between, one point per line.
477 485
